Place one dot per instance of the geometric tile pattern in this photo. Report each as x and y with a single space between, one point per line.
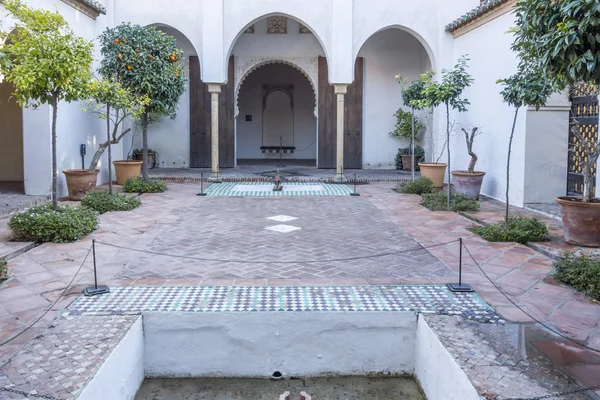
282 228
132 300
282 218
266 190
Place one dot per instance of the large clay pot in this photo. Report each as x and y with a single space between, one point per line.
468 183
406 162
434 171
581 221
152 156
79 182
127 169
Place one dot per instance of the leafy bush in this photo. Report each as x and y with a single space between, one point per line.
519 229
139 185
419 155
101 201
580 271
438 201
403 128
43 224
421 185
3 268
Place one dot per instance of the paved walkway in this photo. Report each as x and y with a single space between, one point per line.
380 221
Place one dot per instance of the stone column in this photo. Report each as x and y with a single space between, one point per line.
214 89
340 91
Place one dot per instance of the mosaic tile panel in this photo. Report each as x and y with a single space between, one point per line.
211 299
277 25
250 189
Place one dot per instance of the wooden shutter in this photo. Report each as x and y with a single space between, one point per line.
199 118
327 118
226 119
353 119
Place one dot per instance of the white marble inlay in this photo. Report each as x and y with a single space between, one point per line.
282 218
282 228
269 188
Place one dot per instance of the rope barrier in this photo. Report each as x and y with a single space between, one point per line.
391 253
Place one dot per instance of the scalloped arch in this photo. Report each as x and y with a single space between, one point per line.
244 66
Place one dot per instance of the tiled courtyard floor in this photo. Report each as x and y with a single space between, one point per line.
388 227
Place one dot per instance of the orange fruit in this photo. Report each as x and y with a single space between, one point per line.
117 41
150 57
129 67
120 56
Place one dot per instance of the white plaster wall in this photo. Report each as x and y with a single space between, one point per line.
387 54
436 370
122 373
248 134
11 136
488 64
296 344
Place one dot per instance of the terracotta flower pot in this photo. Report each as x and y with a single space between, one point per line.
406 162
435 172
581 221
79 182
127 169
467 183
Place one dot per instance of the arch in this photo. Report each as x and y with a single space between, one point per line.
177 34
272 14
412 32
307 66
274 89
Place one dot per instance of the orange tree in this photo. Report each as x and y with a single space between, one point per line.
46 62
146 61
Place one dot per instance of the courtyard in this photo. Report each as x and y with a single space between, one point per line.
378 252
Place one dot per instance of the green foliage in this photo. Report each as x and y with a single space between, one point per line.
561 38
3 268
518 229
449 90
122 101
419 155
580 271
528 87
44 224
413 95
438 202
420 186
102 201
139 185
43 58
403 128
146 61
136 154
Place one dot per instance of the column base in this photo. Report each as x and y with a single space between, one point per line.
340 178
215 177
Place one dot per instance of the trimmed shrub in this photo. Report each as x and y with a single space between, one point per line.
139 185
3 269
419 155
438 201
43 224
519 229
101 201
581 272
421 185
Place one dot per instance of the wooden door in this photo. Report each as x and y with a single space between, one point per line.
226 119
199 118
353 119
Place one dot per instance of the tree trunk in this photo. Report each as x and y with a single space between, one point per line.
512 133
588 185
412 145
448 140
145 146
470 140
110 186
54 163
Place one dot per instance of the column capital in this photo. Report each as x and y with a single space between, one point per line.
214 87
340 88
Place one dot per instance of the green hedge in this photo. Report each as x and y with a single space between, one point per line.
519 229
421 185
102 201
580 271
139 185
43 224
438 201
3 268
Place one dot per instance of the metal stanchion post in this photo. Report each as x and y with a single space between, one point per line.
354 193
218 180
201 185
460 286
96 289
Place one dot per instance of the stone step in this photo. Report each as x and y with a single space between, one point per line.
10 250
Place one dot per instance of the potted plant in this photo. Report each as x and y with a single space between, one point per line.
469 182
146 61
114 103
46 62
404 156
407 127
448 92
138 154
560 38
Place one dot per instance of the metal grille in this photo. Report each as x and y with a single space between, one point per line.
584 117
